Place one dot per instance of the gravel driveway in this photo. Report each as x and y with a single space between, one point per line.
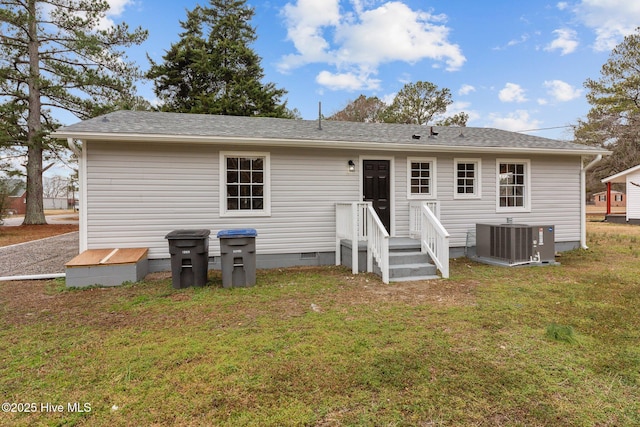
45 256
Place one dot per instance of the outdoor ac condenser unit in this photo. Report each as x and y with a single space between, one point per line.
515 244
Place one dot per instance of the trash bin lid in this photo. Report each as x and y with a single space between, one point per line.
238 232
188 234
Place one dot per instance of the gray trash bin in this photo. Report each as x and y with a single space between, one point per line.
189 251
238 251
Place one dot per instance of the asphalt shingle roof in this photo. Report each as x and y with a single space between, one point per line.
150 124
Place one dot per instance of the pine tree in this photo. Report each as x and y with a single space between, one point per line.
416 103
212 68
54 56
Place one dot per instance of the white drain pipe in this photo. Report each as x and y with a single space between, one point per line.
583 201
33 277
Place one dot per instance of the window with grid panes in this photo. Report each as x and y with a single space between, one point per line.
421 177
245 183
512 185
466 178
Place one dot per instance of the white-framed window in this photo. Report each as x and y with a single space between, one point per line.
421 179
513 185
245 184
467 184
618 197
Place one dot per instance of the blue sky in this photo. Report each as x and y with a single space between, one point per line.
514 65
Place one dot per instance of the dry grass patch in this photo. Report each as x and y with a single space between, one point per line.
26 233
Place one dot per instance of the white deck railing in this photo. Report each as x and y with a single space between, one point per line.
415 219
351 224
359 222
434 238
377 244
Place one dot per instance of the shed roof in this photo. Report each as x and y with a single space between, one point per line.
622 176
210 129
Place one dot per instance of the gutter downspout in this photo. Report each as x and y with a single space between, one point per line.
81 154
583 201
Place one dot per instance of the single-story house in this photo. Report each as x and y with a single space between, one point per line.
17 204
308 186
630 177
600 199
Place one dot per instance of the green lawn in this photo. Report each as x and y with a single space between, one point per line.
491 346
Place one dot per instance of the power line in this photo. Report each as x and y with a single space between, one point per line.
555 127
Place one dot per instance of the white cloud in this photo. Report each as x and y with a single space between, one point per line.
512 93
563 5
116 7
566 41
388 98
516 121
346 81
394 32
514 42
361 40
466 89
523 38
562 91
305 22
610 19
462 107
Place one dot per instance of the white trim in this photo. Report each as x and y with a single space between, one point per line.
583 198
392 188
223 185
624 173
478 178
527 186
433 186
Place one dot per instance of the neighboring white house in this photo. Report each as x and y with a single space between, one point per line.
143 174
630 177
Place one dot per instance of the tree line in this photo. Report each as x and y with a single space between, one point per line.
416 103
54 57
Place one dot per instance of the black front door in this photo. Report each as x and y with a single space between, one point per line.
377 188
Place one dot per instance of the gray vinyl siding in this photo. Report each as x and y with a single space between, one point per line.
555 197
138 192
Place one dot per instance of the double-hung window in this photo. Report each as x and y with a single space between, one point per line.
467 179
244 184
513 186
421 178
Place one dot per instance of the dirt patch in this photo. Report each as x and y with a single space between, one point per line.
440 292
27 233
36 301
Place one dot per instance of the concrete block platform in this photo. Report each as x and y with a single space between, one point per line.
107 267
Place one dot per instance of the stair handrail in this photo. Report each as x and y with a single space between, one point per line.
351 224
434 239
415 220
377 244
